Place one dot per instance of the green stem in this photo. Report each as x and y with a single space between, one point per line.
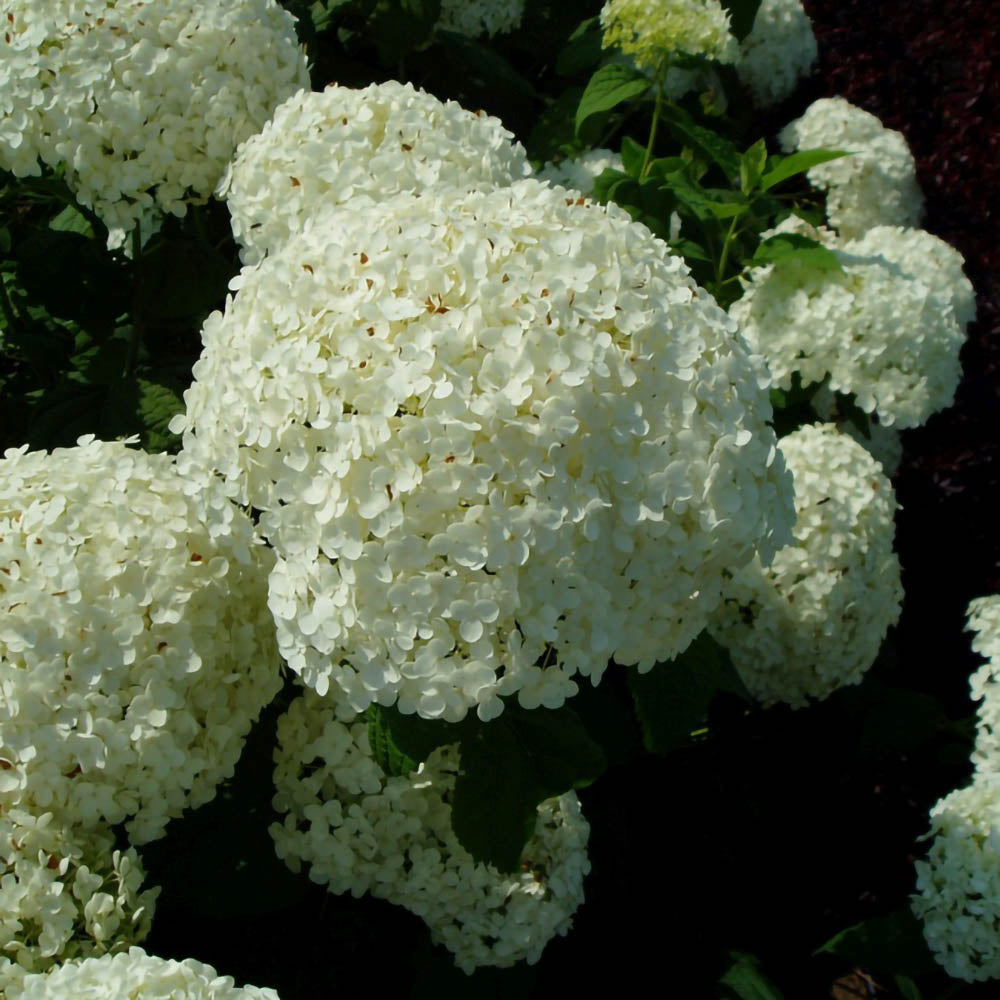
724 256
9 314
648 158
135 334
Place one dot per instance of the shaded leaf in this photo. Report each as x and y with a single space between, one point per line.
583 49
890 944
742 14
610 86
798 163
632 157
794 246
716 147
747 982
752 166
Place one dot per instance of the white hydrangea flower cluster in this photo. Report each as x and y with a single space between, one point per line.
877 186
133 973
144 103
360 830
579 173
884 444
653 31
136 647
779 51
984 621
474 18
65 894
345 148
484 431
815 619
888 329
958 885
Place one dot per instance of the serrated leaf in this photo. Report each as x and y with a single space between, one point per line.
798 163
890 944
158 403
509 766
414 738
610 86
72 220
796 247
746 980
752 164
742 14
672 699
716 147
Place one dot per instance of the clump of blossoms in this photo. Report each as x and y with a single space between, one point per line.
135 643
133 973
64 894
877 185
814 620
958 885
474 18
142 103
360 830
778 52
653 33
888 327
582 171
984 621
353 148
495 439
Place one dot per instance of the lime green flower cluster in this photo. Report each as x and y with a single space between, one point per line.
653 31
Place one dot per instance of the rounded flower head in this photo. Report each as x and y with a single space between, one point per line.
495 440
352 148
360 830
133 973
885 328
778 52
474 18
143 103
135 643
65 894
877 185
815 619
654 32
984 621
958 885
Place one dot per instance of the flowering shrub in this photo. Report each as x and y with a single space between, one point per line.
478 17
135 650
470 437
361 830
778 52
142 104
814 620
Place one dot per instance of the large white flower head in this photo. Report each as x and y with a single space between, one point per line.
483 432
886 328
65 894
958 885
144 103
877 186
884 444
778 52
135 642
360 830
352 148
134 974
580 172
654 31
815 619
474 18
984 621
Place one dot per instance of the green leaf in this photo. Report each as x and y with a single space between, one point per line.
890 944
752 164
795 247
672 699
509 766
181 280
610 86
4 240
706 203
158 402
632 157
716 147
798 163
72 220
582 50
400 743
742 14
747 982
907 988
399 26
